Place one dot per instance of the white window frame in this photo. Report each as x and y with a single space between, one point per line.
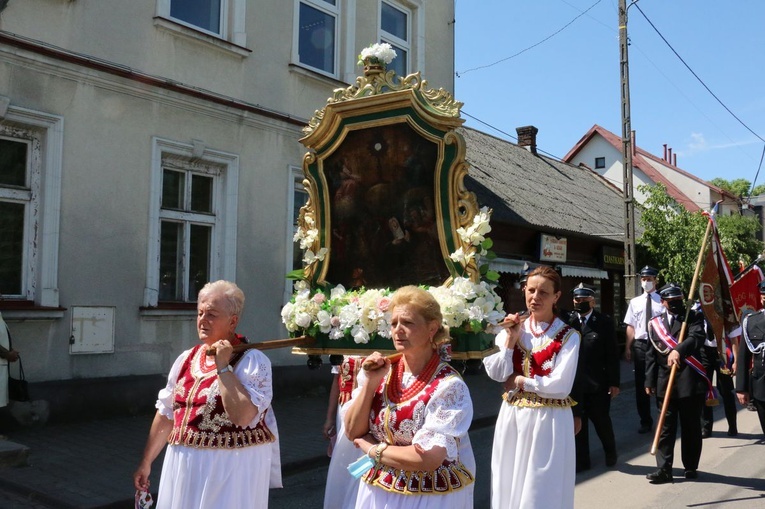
415 46
225 168
44 133
332 10
232 22
296 177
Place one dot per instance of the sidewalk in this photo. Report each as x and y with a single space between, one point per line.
89 465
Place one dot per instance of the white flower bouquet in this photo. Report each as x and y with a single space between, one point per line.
377 53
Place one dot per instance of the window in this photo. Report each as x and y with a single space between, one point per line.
600 162
30 197
193 237
221 22
204 14
395 30
317 35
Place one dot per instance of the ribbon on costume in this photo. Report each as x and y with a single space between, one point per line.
670 342
761 347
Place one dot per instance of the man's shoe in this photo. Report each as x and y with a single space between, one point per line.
732 431
691 474
644 428
660 477
611 459
750 407
706 433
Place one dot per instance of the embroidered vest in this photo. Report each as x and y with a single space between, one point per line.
346 380
396 424
539 362
199 419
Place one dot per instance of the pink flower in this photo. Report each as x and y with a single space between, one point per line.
319 298
383 304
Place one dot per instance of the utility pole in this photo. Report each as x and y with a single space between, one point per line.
630 279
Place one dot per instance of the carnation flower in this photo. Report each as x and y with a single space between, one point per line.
382 52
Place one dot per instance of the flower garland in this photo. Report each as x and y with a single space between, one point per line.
362 314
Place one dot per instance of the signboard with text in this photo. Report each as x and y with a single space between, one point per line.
552 249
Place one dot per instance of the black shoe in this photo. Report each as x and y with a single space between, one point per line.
706 433
691 474
660 477
733 431
610 459
644 428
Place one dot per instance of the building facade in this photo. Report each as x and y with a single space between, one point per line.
149 146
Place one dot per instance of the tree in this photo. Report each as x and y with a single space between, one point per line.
672 236
738 187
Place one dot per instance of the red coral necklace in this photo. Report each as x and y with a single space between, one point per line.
533 327
395 392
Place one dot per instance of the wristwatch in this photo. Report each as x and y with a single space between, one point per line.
224 370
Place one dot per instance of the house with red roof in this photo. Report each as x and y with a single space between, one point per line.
601 150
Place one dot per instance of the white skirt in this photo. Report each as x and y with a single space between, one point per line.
533 458
215 478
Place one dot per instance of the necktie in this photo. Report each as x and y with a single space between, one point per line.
583 320
648 311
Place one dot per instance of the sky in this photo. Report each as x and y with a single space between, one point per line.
566 83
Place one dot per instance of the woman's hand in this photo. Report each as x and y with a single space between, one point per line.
512 324
365 443
223 352
141 477
380 368
514 381
328 430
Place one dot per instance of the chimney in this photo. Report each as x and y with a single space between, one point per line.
665 151
674 160
669 159
527 137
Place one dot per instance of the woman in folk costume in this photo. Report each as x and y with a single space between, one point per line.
411 416
534 454
215 414
341 488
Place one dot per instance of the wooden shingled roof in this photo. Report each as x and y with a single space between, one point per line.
530 189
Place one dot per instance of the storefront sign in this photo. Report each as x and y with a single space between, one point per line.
613 258
552 249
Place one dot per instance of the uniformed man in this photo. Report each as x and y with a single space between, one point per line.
710 358
750 363
636 320
597 376
689 388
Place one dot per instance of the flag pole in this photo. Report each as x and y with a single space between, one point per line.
665 404
747 268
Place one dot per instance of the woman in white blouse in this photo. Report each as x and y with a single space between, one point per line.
533 456
411 416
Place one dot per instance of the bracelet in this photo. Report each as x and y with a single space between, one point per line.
225 369
379 450
369 451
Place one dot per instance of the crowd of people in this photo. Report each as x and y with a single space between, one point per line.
398 424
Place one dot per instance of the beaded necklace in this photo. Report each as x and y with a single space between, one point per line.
533 327
207 362
396 394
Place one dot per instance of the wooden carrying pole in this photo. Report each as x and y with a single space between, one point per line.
680 339
300 341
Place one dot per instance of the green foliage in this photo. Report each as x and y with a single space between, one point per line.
737 187
673 236
758 190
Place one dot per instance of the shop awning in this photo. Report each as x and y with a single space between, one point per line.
589 272
508 266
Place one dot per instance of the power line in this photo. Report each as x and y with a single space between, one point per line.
708 90
459 74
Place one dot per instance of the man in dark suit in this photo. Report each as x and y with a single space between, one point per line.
597 376
750 362
688 392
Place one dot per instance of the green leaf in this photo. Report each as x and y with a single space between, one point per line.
487 243
297 274
492 276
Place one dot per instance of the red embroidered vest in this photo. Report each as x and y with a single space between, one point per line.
539 362
396 424
199 419
346 379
